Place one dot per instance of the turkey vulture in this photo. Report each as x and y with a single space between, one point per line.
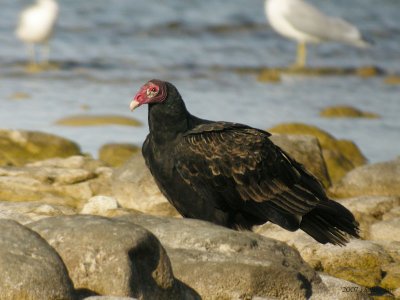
232 174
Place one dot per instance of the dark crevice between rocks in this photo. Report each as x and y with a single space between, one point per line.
378 291
84 293
143 284
305 284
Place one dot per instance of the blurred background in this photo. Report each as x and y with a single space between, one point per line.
102 52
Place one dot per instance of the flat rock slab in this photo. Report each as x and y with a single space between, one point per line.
27 212
66 181
112 257
30 267
220 263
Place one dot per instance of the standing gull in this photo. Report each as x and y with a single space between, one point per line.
36 25
302 22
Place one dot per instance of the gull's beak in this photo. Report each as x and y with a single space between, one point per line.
134 104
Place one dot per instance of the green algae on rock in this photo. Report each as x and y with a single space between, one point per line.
116 155
346 111
392 80
19 96
98 120
340 156
19 147
267 74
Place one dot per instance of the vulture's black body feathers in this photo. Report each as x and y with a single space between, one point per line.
233 175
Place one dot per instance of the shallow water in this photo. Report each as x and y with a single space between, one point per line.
107 49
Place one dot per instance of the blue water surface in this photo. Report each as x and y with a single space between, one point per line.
108 49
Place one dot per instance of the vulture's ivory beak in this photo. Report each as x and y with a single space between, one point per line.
134 104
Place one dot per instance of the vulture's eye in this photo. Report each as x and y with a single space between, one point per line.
151 92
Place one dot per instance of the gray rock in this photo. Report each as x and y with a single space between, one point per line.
134 187
306 150
220 263
112 257
30 267
380 179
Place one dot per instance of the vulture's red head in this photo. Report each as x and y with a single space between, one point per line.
154 91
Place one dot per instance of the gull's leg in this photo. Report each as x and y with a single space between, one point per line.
32 54
45 52
301 55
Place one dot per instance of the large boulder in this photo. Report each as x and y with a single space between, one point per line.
340 156
30 267
112 257
134 187
379 179
220 263
306 150
18 147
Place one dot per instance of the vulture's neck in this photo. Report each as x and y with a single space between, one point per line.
168 120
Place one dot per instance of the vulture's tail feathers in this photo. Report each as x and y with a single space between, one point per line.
330 222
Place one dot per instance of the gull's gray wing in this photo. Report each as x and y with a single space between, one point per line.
306 18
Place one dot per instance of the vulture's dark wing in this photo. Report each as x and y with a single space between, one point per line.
235 159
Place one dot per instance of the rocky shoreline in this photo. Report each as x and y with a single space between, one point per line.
74 227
